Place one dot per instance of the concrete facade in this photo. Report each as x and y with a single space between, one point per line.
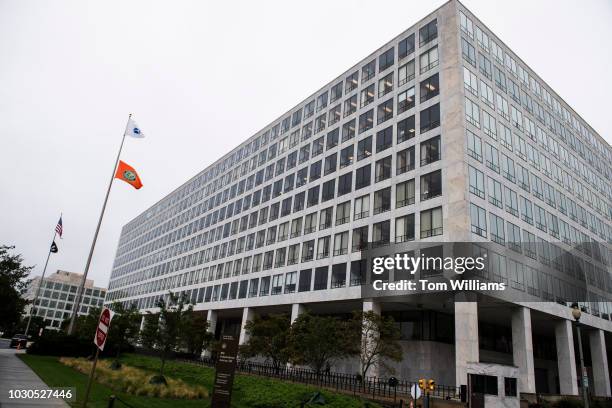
539 171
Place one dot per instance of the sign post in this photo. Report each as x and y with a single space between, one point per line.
99 340
224 372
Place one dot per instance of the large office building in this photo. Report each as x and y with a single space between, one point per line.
441 135
56 294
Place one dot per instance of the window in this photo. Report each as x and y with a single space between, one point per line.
430 118
404 228
495 193
322 102
290 282
348 130
466 25
404 194
310 223
331 163
510 387
492 157
362 207
350 106
364 148
474 147
497 229
505 136
500 78
405 47
336 92
366 120
320 282
429 88
315 171
405 100
385 85
428 32
325 218
362 177
341 243
405 73
405 160
405 129
296 227
479 220
484 384
368 71
345 184
366 96
305 280
511 201
320 123
431 222
382 200
430 151
488 96
323 247
381 233
489 125
472 113
526 210
514 237
384 111
329 190
343 213
317 146
468 52
334 115
313 196
351 82
428 60
476 182
384 139
382 169
484 65
431 185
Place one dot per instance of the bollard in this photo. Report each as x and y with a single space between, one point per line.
111 401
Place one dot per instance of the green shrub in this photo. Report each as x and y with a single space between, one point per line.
568 403
54 343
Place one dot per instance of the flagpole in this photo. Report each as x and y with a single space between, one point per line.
77 301
41 281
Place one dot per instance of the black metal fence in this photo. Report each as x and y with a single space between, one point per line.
373 387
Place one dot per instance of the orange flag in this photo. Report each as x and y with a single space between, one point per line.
127 173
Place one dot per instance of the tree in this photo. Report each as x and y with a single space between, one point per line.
13 285
37 323
171 320
268 337
124 328
148 334
379 340
319 340
194 334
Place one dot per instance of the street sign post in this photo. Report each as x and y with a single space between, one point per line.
100 341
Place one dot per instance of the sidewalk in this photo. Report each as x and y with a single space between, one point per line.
16 375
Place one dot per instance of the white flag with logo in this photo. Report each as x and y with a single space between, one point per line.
133 129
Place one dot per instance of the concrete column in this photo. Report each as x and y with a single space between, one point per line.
566 360
296 310
142 322
211 318
247 314
466 338
522 349
599 358
370 305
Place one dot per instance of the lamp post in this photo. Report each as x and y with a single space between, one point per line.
576 313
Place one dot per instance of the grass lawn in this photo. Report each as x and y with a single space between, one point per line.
249 391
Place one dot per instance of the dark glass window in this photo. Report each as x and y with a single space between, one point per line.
484 384
348 130
305 280
329 190
315 171
428 33
336 92
382 200
384 139
345 183
302 177
364 148
406 47
510 387
317 146
320 282
298 203
382 169
332 138
429 88
430 118
430 151
384 111
368 71
431 185
347 156
366 121
386 59
330 164
363 176
313 196
405 129
351 82
405 160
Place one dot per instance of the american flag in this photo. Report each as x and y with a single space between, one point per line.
58 228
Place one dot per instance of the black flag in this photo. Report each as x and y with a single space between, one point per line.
53 247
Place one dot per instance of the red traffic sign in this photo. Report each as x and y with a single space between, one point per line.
102 330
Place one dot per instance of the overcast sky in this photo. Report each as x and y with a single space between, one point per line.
201 77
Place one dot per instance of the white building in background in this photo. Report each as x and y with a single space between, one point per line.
56 296
442 135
